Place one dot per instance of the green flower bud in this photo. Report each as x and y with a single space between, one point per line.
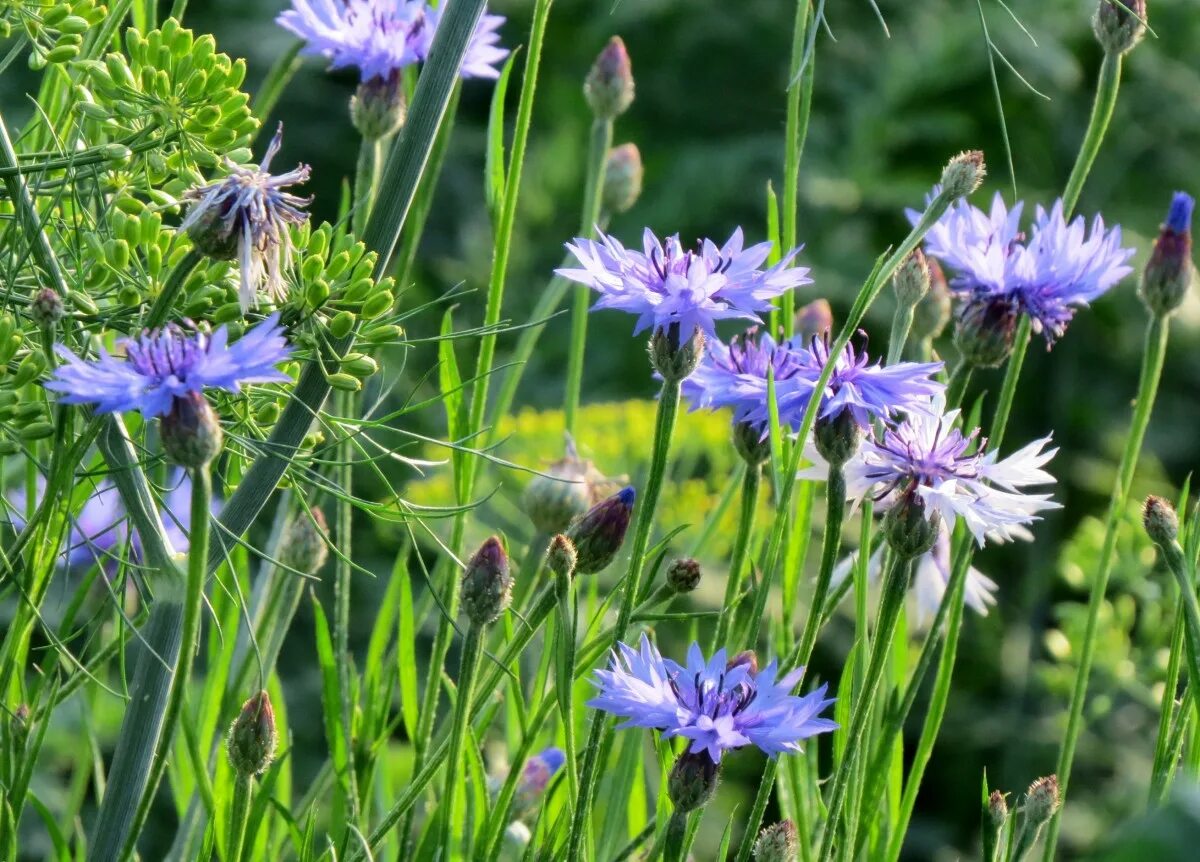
304 546
1160 520
909 532
779 842
1119 25
568 488
911 281
837 437
252 737
693 781
933 311
623 178
672 358
984 332
486 584
191 431
609 85
997 809
379 106
751 443
1041 800
683 575
561 556
964 174
47 309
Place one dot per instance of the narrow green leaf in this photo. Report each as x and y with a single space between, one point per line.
406 652
494 166
331 694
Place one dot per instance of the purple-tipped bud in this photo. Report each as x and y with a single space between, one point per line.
47 309
1119 24
252 736
933 312
1168 273
779 842
609 85
838 437
191 432
693 781
997 809
964 173
561 556
985 331
672 356
747 658
379 106
813 320
304 547
600 532
911 281
751 443
486 584
910 531
535 778
1041 800
623 178
1160 520
683 575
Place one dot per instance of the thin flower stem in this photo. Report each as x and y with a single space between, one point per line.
471 651
343 570
895 588
1107 85
799 108
1164 766
675 842
565 688
741 542
1185 580
598 147
901 324
366 181
1152 364
601 729
1012 374
956 387
835 513
239 812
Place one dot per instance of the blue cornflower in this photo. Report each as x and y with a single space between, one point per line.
170 363
382 37
999 273
715 704
926 460
669 288
736 376
246 216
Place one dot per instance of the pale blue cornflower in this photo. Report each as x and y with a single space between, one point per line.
382 37
1059 267
717 705
926 459
735 376
246 216
669 287
169 363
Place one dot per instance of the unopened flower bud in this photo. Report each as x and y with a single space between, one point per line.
997 809
693 781
535 778
933 312
1119 24
911 281
963 174
252 737
751 442
1168 273
47 309
1041 800
813 320
778 842
486 583
599 533
564 493
837 437
379 106
609 85
683 575
623 178
303 545
671 356
747 658
191 431
1160 520
985 331
909 530
20 724
561 556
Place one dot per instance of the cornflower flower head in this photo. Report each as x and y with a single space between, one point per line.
925 464
671 288
999 273
165 365
246 216
716 704
735 375
382 37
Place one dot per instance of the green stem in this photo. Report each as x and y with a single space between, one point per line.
675 842
598 147
901 324
799 108
366 181
1152 363
601 729
1012 374
1185 580
1107 86
895 588
835 513
471 651
733 583
565 688
343 570
960 378
239 812
1164 766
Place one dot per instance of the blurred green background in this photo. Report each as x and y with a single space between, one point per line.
889 108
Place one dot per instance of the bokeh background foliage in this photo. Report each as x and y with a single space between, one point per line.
889 106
